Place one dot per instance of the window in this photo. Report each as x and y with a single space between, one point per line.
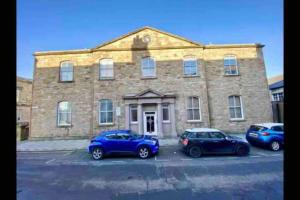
278 96
111 136
66 71
133 113
106 111
235 107
64 114
166 114
277 128
123 136
190 66
216 135
18 94
193 109
106 68
148 67
202 135
230 65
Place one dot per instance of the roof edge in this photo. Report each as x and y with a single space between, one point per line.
217 46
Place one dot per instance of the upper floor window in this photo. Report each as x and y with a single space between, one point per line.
165 111
106 68
235 107
277 96
190 66
133 114
193 109
106 111
148 67
230 65
66 71
64 113
18 94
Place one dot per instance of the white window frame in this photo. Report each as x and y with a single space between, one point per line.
154 66
106 123
229 57
242 110
111 67
130 109
190 59
187 108
18 94
68 112
275 96
164 106
61 71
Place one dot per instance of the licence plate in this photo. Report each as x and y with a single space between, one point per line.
253 134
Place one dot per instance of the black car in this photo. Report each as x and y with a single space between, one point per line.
198 141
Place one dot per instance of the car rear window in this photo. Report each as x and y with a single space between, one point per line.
257 128
188 134
202 135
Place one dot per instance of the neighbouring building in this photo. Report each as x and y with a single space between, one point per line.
152 82
24 96
276 87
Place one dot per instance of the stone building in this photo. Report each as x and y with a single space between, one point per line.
24 96
149 81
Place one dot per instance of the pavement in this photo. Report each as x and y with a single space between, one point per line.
69 145
169 175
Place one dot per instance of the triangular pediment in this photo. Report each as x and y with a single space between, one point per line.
149 93
147 38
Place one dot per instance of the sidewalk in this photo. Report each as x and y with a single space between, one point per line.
69 145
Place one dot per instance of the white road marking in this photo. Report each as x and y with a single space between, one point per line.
118 161
255 156
163 160
186 159
276 155
155 157
66 154
50 161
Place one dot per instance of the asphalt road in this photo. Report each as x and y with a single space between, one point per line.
169 175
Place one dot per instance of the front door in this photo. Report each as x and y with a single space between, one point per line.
150 123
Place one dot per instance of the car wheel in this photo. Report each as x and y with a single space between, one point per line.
275 146
143 152
97 153
195 152
242 151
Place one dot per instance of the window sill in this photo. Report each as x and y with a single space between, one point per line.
231 75
237 120
166 122
133 123
150 77
106 79
66 81
190 76
107 124
193 121
64 126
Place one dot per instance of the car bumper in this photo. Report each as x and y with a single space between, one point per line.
155 149
259 140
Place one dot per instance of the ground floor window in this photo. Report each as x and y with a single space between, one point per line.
133 114
235 107
106 111
166 114
64 114
193 109
278 96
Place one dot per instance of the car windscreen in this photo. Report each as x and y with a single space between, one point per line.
257 128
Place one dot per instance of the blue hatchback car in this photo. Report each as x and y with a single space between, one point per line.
266 134
123 141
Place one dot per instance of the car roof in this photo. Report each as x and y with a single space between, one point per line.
114 131
202 130
269 125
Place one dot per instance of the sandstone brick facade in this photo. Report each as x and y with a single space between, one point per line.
170 85
24 99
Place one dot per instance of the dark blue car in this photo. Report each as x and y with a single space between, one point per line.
123 141
266 134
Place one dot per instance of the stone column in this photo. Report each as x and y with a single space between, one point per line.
159 120
173 122
127 116
140 119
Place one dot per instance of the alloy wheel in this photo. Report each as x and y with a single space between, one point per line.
144 152
275 146
97 154
195 152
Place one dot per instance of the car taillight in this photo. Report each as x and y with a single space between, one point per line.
185 142
265 134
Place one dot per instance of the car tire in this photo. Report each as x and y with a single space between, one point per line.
242 150
143 152
97 153
275 145
195 152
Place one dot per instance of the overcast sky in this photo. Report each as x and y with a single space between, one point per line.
44 25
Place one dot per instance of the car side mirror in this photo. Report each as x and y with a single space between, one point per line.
226 138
